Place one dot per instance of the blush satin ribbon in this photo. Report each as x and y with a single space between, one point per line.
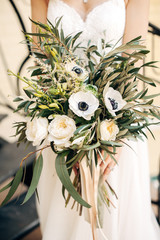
89 183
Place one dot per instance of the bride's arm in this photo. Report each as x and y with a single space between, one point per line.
137 13
39 12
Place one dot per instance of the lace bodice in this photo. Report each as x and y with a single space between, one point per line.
106 20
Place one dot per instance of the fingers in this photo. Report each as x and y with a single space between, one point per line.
100 156
108 169
108 164
105 163
101 161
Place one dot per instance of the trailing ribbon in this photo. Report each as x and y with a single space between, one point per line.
89 182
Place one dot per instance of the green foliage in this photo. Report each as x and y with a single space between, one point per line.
53 80
14 185
35 178
63 175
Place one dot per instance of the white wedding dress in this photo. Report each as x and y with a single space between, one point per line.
133 218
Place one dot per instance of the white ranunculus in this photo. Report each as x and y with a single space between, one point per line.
83 104
61 129
108 130
37 130
113 100
76 71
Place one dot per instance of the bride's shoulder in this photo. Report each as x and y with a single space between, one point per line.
42 2
135 1
126 2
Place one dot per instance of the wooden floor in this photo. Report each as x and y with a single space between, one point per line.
14 57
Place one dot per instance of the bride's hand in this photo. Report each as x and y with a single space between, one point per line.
108 164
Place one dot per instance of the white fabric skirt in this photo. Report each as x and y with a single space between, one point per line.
132 219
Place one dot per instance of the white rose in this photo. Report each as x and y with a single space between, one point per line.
83 104
37 130
108 130
61 129
113 100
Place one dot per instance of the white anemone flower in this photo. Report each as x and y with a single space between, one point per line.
113 100
83 104
76 71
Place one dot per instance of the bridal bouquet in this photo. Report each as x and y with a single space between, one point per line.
81 106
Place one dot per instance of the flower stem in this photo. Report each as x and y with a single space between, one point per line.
31 153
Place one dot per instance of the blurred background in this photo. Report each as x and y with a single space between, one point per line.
13 53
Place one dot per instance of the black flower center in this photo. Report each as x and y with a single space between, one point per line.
83 106
77 70
113 103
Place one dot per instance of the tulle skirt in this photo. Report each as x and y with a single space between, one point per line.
132 219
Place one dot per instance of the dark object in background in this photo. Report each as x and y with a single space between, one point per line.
17 220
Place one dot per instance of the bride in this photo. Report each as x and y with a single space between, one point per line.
133 218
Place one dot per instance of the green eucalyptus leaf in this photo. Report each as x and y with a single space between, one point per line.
111 156
122 133
106 148
75 38
62 34
22 105
82 128
27 106
138 94
58 22
146 79
90 147
135 39
41 56
28 93
6 186
151 132
134 127
111 143
18 99
44 26
91 66
98 128
156 115
149 64
151 96
141 113
63 175
95 157
92 48
144 93
35 178
113 76
77 158
22 136
16 181
45 35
